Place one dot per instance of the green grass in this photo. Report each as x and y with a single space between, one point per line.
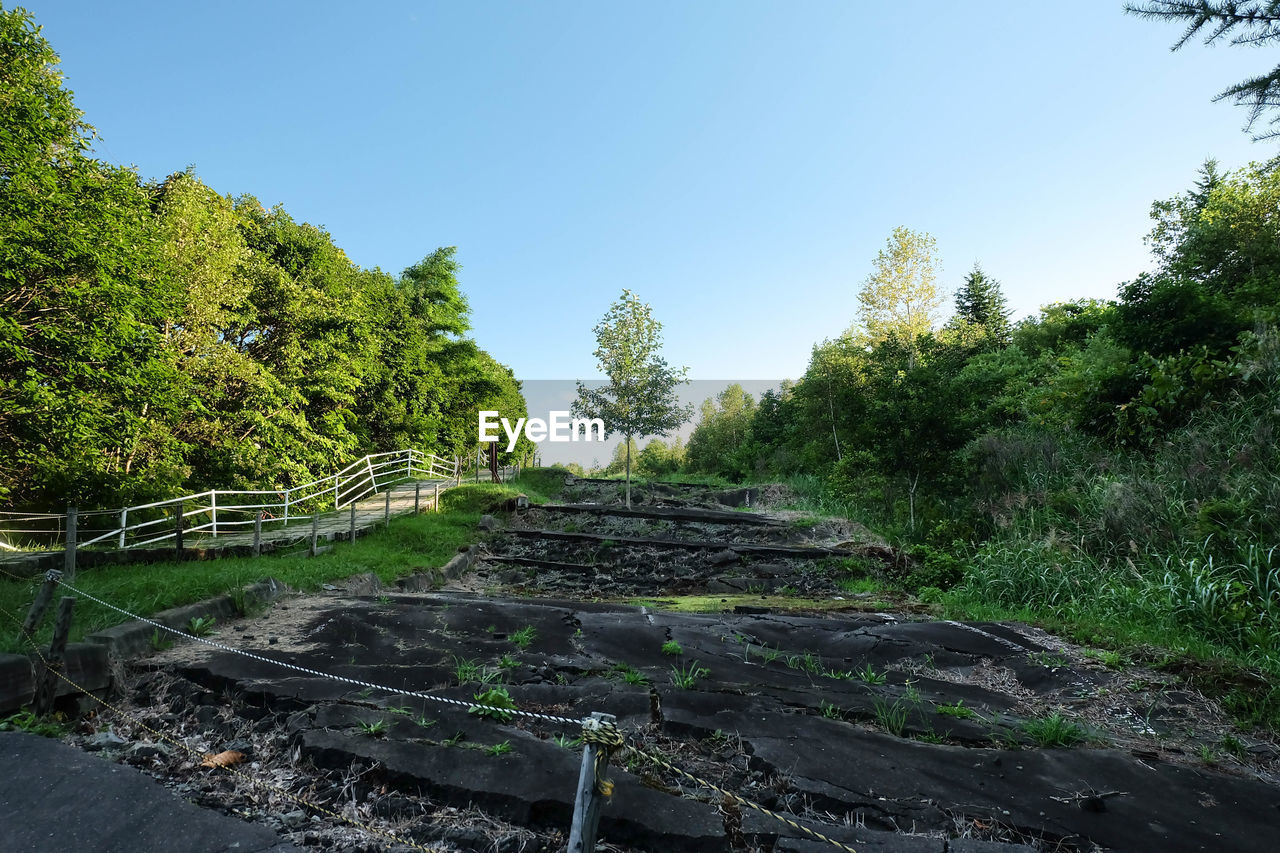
958 710
686 677
410 544
524 637
497 700
671 647
1053 731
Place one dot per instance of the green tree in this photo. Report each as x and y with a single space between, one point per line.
639 394
901 294
719 443
1252 23
85 378
980 302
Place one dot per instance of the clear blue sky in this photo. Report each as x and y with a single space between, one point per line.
737 164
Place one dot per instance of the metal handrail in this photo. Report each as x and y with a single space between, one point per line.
369 474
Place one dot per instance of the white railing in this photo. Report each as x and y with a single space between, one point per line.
225 511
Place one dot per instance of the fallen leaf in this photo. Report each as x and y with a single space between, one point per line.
222 759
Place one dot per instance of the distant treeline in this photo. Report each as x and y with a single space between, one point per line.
156 337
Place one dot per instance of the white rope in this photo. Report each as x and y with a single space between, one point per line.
317 673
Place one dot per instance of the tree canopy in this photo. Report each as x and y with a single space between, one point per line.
639 395
159 336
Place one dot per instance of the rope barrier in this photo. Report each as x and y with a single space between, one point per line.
604 735
257 783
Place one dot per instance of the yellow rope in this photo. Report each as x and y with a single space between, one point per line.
258 783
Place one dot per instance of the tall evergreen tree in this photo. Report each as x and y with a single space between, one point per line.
1253 23
981 302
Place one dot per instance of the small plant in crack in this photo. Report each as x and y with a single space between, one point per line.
161 640
628 673
201 626
377 728
524 637
831 712
499 749
892 716
566 742
868 675
671 647
686 676
473 672
508 662
425 723
957 709
1053 731
495 703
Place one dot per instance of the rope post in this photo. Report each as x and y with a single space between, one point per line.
257 534
586 804
69 560
315 533
386 508
48 687
417 498
178 529
351 537
435 502
35 615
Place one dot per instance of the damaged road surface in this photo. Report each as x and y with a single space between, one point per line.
886 735
884 731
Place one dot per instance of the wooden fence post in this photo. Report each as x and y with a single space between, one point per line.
417 498
69 560
352 536
586 804
435 502
257 534
315 532
48 686
386 508
36 614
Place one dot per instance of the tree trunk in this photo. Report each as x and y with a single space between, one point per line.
628 440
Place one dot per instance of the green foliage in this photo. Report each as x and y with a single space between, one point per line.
892 716
639 396
901 296
671 647
499 749
201 626
524 637
27 721
162 338
686 676
1053 731
161 640
1251 22
958 709
468 671
869 675
377 728
497 704
981 304
720 443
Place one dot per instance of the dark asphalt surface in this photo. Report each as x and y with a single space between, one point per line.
55 798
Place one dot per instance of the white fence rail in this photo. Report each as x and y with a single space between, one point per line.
226 511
